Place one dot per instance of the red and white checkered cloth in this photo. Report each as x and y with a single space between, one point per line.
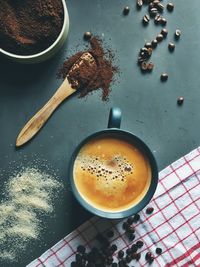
174 225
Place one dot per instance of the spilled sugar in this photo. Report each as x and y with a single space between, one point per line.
28 195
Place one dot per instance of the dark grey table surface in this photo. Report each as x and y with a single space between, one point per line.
149 106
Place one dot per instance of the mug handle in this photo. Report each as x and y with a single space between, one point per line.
115 117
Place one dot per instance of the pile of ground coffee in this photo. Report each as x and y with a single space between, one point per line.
29 26
103 75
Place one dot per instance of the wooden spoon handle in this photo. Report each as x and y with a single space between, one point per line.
39 119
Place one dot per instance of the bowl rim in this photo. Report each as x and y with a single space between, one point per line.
131 210
33 56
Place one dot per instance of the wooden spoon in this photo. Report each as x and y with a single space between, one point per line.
64 91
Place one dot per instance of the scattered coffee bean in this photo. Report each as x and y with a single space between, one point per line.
114 264
151 259
158 251
134 255
148 45
150 66
180 101
110 234
134 248
138 256
126 10
149 210
170 7
128 251
159 37
164 77
114 247
163 21
153 12
160 7
125 225
128 258
146 19
121 254
136 218
139 4
148 256
157 19
131 229
87 35
139 243
131 236
150 50
164 32
81 249
130 220
171 47
144 66
154 43
177 34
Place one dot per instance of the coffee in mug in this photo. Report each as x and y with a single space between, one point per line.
111 174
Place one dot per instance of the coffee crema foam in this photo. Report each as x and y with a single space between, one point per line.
111 174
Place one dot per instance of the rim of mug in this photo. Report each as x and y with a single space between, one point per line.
141 203
49 48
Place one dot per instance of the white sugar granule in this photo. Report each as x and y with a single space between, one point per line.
27 195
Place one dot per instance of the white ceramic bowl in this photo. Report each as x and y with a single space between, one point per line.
50 51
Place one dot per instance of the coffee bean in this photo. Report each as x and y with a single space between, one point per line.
170 7
134 248
151 259
149 210
171 47
130 220
164 77
139 3
148 45
151 5
157 19
180 101
144 66
136 218
146 19
128 258
150 50
154 43
131 236
110 234
81 249
120 254
164 32
87 35
138 256
150 66
159 37
177 34
134 255
148 256
126 10
160 7
163 21
140 60
153 12
131 229
139 243
128 251
114 247
158 251
125 225
114 264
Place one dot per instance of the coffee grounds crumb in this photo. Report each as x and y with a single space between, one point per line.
29 27
104 74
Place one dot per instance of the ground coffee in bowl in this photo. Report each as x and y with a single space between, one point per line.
28 27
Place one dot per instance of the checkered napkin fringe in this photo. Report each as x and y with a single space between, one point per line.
174 225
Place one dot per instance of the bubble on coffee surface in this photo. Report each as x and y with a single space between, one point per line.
110 175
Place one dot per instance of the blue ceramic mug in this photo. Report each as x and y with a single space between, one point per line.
114 131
